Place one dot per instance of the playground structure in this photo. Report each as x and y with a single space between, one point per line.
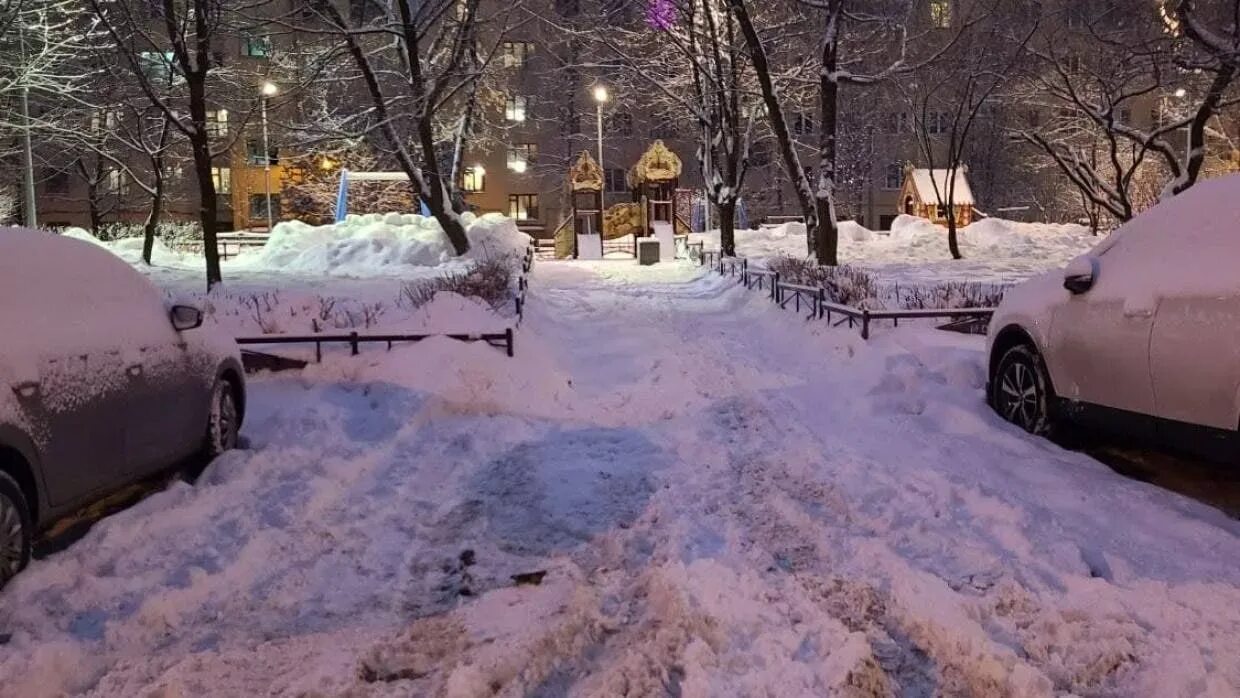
342 194
659 208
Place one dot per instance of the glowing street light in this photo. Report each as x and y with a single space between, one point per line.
600 98
268 91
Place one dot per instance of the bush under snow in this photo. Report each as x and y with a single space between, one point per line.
373 243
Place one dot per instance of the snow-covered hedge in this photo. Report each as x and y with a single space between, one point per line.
373 243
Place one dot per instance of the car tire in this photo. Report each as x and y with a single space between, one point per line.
1020 390
15 529
224 421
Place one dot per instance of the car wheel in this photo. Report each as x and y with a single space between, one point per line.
1021 390
15 529
225 420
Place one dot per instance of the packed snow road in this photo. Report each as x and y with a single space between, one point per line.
697 495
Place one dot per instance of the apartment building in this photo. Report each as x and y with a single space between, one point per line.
540 111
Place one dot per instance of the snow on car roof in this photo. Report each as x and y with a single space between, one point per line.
1187 244
56 290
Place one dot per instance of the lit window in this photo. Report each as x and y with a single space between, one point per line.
941 13
473 180
117 183
156 65
515 108
217 123
221 177
521 156
256 46
515 54
523 207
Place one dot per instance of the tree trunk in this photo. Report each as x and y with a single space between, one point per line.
775 113
727 227
952 244
92 203
152 218
200 145
827 235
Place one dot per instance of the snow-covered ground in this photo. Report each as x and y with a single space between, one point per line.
915 251
725 499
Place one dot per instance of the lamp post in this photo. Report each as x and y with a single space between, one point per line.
600 98
269 90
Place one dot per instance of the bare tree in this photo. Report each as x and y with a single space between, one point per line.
691 62
170 51
418 64
948 97
1139 87
860 45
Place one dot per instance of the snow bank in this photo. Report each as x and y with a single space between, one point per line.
451 313
915 250
375 244
130 249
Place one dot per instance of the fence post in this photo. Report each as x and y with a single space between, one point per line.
508 339
318 352
822 300
865 324
745 272
775 287
353 342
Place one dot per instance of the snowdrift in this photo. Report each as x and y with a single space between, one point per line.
915 250
374 244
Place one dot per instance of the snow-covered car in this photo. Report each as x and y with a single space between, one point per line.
1140 336
101 384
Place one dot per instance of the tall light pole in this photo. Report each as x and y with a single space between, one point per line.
600 98
269 90
29 210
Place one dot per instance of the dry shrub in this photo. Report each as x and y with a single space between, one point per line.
954 294
489 280
845 285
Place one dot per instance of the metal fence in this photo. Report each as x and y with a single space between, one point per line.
505 340
813 301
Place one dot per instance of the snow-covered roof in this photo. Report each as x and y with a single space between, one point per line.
924 182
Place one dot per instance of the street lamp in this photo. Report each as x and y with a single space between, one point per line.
268 90
600 98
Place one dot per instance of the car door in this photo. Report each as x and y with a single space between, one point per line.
165 388
1195 359
1100 342
78 407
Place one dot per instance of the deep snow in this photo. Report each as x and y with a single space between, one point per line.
726 499
915 250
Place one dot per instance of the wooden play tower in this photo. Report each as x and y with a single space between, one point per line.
585 183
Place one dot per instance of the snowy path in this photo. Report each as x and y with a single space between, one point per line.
727 502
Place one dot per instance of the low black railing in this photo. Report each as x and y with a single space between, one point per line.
501 340
813 299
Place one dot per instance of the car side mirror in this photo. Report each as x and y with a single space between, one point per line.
1080 274
185 317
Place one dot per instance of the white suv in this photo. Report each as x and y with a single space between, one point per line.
1142 334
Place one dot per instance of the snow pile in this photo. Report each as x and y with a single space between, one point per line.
915 251
130 249
451 313
376 244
